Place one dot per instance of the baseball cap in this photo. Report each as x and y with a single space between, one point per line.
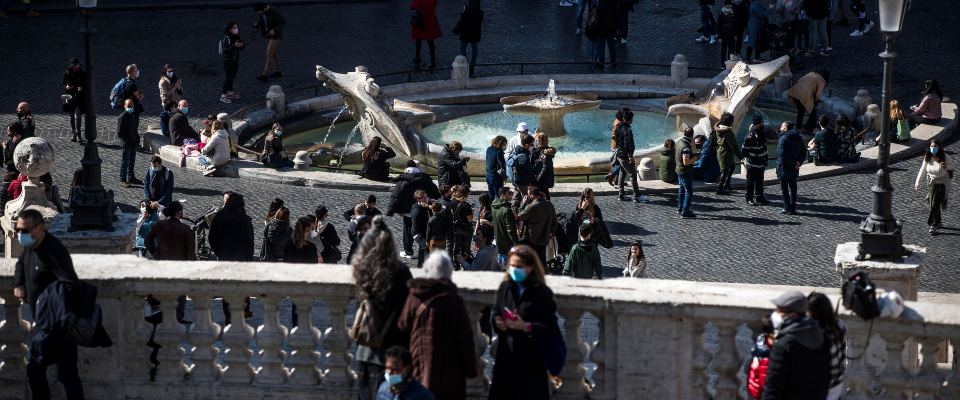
522 127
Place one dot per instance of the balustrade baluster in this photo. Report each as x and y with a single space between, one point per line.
573 372
270 338
699 363
928 380
895 375
858 375
478 386
12 334
202 335
599 357
728 361
168 335
236 337
337 344
953 385
303 340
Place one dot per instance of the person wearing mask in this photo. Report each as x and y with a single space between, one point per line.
170 86
519 372
496 164
727 25
359 213
158 182
361 226
522 131
45 261
937 169
504 224
929 111
684 159
230 47
15 133
441 336
608 26
485 213
799 366
216 152
371 209
668 161
129 142
470 20
706 168
584 259
328 236
420 219
382 283
273 155
400 383
818 12
171 239
825 143
790 156
74 79
806 93
231 233
375 156
132 92
486 257
180 129
450 170
430 30
275 235
540 221
835 333
754 150
271 24
542 156
727 149
758 15
298 248
149 215
636 262
523 170
628 167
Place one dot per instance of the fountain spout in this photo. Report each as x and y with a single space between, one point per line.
550 107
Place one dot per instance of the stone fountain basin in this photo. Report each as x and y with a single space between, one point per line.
582 102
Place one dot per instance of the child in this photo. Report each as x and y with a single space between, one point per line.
584 259
859 7
761 358
636 262
899 125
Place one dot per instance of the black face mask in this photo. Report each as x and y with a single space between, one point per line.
19 115
699 146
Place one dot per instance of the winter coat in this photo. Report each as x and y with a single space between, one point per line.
583 262
167 92
144 229
330 239
431 27
401 197
758 13
707 165
519 372
741 10
48 263
540 221
171 239
543 170
275 235
727 147
754 150
127 131
727 24
378 169
485 260
217 150
419 219
504 226
495 161
76 79
164 191
449 166
608 18
470 25
524 167
274 22
180 128
230 50
799 366
790 151
231 237
304 255
394 300
273 154
441 337
817 9
624 139
54 312
807 90
668 165
438 225
413 390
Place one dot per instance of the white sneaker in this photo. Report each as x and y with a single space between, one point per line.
564 3
867 28
829 48
641 199
578 32
702 39
713 39
856 33
623 41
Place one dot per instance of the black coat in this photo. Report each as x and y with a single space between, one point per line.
127 130
543 175
799 365
49 262
470 25
727 24
76 79
401 198
180 128
742 12
273 152
608 22
519 372
330 240
276 235
231 237
624 138
305 255
55 313
449 167
378 169
420 216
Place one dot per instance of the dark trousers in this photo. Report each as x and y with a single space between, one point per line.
369 378
129 157
801 111
433 50
624 22
829 33
407 234
76 121
610 45
936 193
541 252
754 184
164 123
789 197
67 374
230 72
628 169
863 24
423 251
725 176
706 19
727 47
739 41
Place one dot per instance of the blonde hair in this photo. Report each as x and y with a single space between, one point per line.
896 113
214 127
542 139
588 196
461 192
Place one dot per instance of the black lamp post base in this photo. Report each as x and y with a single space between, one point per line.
91 210
881 244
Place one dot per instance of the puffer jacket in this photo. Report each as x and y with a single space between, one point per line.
276 234
543 170
799 365
401 197
790 151
229 50
449 167
668 165
217 150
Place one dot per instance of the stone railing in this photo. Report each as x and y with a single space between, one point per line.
650 335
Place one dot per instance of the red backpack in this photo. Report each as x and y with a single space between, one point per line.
757 376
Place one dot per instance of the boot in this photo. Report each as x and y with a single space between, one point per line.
416 63
471 69
610 178
32 13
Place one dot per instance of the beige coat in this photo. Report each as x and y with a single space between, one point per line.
167 92
808 90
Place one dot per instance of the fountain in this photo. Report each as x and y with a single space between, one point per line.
551 108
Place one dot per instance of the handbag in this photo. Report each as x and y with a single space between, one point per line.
416 19
457 29
368 328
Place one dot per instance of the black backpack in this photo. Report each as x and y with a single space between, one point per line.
860 296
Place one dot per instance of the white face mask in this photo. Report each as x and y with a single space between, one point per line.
777 320
170 74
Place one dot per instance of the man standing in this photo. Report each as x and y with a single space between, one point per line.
522 131
402 201
540 220
790 156
523 168
132 92
129 141
754 151
359 212
799 366
628 167
504 224
25 118
44 261
170 239
158 182
707 22
727 149
685 158
271 25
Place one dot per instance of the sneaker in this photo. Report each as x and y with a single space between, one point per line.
275 75
713 39
865 29
702 39
124 183
565 3
578 32
688 215
233 96
225 99
679 211
810 54
751 203
623 197
610 178
623 41
824 53
782 211
856 33
135 181
829 48
32 13
641 199
262 78
209 171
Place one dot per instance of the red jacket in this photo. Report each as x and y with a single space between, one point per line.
758 375
16 187
431 27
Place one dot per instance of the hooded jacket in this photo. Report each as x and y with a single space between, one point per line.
449 167
727 147
231 237
217 150
790 151
540 221
504 226
584 261
524 167
543 170
799 365
668 164
707 165
401 197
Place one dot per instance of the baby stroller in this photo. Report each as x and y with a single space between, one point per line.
200 227
778 46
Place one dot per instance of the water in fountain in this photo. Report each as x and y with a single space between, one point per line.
333 124
551 92
347 144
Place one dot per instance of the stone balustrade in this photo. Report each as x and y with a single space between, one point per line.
651 341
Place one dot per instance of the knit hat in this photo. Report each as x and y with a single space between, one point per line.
757 119
74 61
792 301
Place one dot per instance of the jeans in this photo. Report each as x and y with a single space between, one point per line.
230 72
754 184
727 47
706 19
273 60
610 45
629 169
593 51
685 196
129 157
4 8
494 183
473 51
165 123
818 33
583 5
624 23
67 374
503 258
789 198
369 378
407 234
76 121
203 161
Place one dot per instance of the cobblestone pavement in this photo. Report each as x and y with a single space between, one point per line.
729 243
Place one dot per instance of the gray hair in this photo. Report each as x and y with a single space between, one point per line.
438 265
131 68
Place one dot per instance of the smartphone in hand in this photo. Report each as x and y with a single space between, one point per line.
509 315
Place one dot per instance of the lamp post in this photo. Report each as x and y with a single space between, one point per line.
881 233
91 203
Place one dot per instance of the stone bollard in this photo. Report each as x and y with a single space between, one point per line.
461 71
861 101
783 82
732 62
679 69
647 171
870 120
33 157
302 160
277 100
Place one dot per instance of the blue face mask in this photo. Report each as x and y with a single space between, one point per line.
933 150
143 210
476 239
156 169
393 380
25 239
277 132
129 110
185 109
728 10
138 73
517 274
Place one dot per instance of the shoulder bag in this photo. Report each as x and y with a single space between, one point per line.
552 348
416 19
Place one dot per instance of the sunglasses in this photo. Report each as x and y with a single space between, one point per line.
519 250
24 230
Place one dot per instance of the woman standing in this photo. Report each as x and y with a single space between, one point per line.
382 283
929 110
636 262
328 237
470 20
273 155
170 89
231 232
74 79
276 235
587 207
726 149
485 213
450 167
937 168
375 156
462 215
520 372
429 31
230 47
758 14
835 333
543 174
495 164
299 249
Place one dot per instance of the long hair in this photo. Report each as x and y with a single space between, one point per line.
939 157
542 140
932 87
587 195
275 205
372 149
825 75
821 310
639 256
300 232
670 144
375 262
896 113
215 127
498 142
461 193
843 122
320 212
270 135
529 257
282 214
47 180
77 178
235 205
229 28
163 73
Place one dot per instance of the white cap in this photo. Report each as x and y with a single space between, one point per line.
522 127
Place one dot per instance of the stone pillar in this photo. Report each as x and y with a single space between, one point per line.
12 350
477 387
277 100
900 275
303 340
727 361
461 71
895 375
783 82
870 119
302 161
337 344
573 369
928 379
202 335
270 338
679 70
861 101
236 337
647 170
33 158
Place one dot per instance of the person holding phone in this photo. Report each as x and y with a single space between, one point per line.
230 47
271 24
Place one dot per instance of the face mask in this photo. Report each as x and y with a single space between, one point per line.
393 380
476 239
699 146
235 31
170 74
277 132
129 110
777 320
143 210
156 169
728 10
25 239
933 150
185 109
76 67
517 274
138 73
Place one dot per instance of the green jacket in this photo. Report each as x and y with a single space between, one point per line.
584 262
668 165
504 226
678 156
727 147
540 220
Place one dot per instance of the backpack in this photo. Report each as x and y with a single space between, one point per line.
552 348
369 328
593 20
860 296
512 165
220 46
116 95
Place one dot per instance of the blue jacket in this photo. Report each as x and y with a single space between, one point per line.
790 151
524 174
165 191
708 164
413 391
145 229
758 13
495 161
